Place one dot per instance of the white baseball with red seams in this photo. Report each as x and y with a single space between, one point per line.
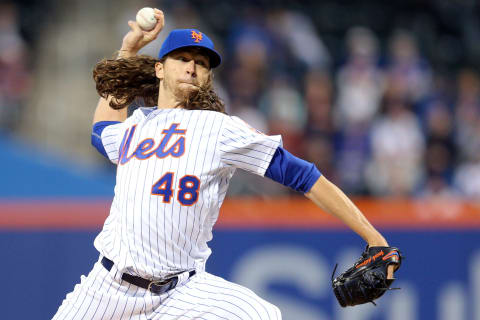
146 18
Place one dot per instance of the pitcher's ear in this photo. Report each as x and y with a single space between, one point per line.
159 70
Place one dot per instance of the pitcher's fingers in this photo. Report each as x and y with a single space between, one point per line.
134 26
158 13
390 270
158 27
160 16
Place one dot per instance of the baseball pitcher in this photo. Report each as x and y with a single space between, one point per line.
174 160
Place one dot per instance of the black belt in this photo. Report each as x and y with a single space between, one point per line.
157 287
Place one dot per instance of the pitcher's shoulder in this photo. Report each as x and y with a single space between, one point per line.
209 114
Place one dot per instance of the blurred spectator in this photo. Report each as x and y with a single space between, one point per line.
352 155
298 34
467 114
467 177
408 72
284 108
360 88
440 154
249 51
467 118
318 94
397 151
250 44
360 80
320 147
244 86
14 82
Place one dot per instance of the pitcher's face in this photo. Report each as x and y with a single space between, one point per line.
184 71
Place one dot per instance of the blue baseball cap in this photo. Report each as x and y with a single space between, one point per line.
184 38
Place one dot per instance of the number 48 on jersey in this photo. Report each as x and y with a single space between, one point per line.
187 193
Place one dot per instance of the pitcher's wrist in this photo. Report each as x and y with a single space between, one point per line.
377 241
126 53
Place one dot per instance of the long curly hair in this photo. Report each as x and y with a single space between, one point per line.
129 79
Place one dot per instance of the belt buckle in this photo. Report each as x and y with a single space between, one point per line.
157 283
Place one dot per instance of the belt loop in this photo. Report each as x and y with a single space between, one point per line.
116 274
183 277
111 268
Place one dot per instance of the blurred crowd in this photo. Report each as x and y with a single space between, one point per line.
14 74
378 120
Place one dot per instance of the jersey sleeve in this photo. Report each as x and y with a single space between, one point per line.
241 146
97 130
111 138
107 136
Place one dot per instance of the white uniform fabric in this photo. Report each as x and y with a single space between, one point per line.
174 167
101 296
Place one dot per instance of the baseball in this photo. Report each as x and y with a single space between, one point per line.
146 19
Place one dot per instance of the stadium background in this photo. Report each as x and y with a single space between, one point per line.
383 96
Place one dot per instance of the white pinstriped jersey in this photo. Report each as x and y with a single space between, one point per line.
173 171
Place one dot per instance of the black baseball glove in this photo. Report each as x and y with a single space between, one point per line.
367 279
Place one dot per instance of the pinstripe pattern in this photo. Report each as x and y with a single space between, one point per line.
157 235
145 236
245 148
100 296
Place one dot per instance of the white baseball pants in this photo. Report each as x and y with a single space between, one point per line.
103 295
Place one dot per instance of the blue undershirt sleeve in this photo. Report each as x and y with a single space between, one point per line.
97 135
292 172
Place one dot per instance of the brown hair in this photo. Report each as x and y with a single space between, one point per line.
127 79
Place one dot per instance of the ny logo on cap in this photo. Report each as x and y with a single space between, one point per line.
197 36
